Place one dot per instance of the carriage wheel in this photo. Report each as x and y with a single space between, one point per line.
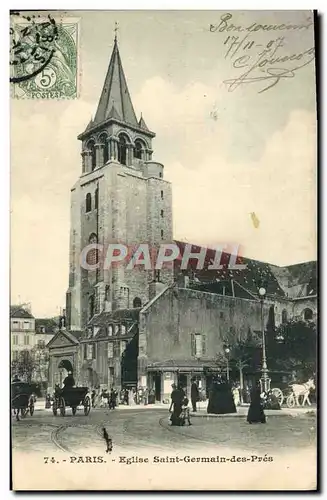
74 410
54 408
62 407
278 394
31 409
290 401
24 412
87 405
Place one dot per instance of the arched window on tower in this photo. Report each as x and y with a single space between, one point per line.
96 199
92 255
122 150
105 145
308 314
138 150
137 302
91 148
88 202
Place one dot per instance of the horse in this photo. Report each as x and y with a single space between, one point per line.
302 390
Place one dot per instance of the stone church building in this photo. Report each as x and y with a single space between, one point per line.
136 327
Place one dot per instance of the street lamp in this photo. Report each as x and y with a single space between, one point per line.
227 351
265 380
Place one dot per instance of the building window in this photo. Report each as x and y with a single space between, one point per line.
160 174
122 329
110 350
16 325
85 351
15 340
91 351
198 345
161 213
109 330
103 139
284 316
122 150
88 202
123 345
91 148
116 348
91 308
93 254
137 302
138 150
26 340
116 329
161 195
26 325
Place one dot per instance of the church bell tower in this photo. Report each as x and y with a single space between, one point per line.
120 197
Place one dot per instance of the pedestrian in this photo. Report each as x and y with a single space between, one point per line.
177 397
256 413
93 394
145 396
112 399
185 414
69 380
236 395
194 394
221 399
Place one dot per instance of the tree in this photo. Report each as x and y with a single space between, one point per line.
40 356
295 348
24 365
243 353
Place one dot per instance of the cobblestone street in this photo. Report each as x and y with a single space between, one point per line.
134 429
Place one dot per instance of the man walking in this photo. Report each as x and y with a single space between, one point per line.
194 394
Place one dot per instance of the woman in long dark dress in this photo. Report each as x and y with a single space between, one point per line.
256 413
177 397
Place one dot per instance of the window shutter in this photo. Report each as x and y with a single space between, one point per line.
204 346
93 351
192 344
85 351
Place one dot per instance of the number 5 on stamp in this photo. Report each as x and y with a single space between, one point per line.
44 57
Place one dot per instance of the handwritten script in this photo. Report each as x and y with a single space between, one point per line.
265 63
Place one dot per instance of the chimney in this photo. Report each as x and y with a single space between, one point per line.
183 281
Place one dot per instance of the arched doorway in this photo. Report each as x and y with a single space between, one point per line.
308 314
65 366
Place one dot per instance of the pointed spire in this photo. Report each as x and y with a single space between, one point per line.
115 92
142 123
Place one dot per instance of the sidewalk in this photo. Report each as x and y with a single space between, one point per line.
202 410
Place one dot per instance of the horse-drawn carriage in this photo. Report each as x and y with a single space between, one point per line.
72 397
22 400
292 393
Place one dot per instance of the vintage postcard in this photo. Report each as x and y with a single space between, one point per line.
163 250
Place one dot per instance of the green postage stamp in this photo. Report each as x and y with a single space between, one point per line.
43 57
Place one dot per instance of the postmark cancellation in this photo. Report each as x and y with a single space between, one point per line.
43 57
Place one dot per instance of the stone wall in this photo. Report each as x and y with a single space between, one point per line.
167 324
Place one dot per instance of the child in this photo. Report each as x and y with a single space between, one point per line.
185 414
